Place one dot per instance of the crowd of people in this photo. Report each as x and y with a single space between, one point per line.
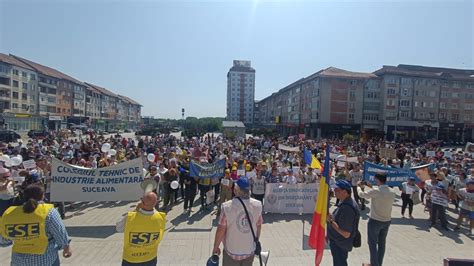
166 159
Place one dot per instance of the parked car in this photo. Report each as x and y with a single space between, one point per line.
9 136
38 133
147 132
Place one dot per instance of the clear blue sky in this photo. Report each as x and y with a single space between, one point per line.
174 54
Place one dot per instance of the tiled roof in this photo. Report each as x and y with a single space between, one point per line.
101 89
13 61
428 72
337 72
48 71
130 100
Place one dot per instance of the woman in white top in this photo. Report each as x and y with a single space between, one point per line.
408 188
6 190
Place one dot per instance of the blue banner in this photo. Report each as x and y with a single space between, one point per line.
207 170
395 176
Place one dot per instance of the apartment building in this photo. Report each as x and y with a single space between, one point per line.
18 94
241 92
394 102
34 96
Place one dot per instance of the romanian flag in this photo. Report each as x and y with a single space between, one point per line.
317 235
311 160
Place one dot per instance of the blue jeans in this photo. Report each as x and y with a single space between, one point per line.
377 234
339 256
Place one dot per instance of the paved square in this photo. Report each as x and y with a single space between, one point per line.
188 239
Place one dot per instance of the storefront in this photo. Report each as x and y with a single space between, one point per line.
451 132
325 130
21 122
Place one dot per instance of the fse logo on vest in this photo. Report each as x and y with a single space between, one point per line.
25 231
143 238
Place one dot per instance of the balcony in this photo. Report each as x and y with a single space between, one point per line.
47 85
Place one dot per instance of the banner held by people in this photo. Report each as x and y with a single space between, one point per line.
207 170
120 182
290 198
395 176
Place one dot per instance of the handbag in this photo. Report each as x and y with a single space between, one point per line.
258 247
415 197
357 241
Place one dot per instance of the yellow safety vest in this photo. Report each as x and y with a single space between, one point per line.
26 230
142 235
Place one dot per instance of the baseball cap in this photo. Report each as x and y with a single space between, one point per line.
343 184
243 182
412 178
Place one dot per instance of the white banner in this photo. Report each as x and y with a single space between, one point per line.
288 148
115 183
286 198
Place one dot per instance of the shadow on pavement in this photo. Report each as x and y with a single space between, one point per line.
269 218
91 231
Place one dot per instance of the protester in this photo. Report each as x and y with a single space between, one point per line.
143 231
381 201
466 205
342 224
234 227
43 221
408 190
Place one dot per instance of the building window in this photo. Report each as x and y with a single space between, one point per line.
391 91
24 85
23 74
390 102
32 76
405 103
15 72
351 105
15 95
24 107
442 116
454 106
352 95
351 116
455 117
467 117
24 96
404 114
15 84
445 94
14 105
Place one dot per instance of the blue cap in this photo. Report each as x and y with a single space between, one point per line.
243 182
412 178
440 186
343 184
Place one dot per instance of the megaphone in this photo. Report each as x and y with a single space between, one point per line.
148 185
264 255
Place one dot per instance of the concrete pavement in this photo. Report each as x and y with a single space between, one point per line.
188 239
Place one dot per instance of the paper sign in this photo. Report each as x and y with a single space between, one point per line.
448 154
241 172
30 164
431 153
225 182
388 153
341 164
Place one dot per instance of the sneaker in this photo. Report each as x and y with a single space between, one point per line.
457 228
411 217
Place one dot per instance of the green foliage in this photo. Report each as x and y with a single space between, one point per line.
192 126
349 138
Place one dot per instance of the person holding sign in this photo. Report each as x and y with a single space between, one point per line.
226 189
143 231
408 190
35 229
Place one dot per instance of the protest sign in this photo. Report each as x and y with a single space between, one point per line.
290 198
396 176
388 153
120 182
448 154
288 148
430 153
469 147
207 170
30 164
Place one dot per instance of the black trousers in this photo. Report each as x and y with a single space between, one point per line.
152 262
203 190
407 201
438 210
189 195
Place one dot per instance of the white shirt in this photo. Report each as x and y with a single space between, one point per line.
381 203
291 179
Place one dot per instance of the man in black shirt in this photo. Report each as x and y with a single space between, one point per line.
343 224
